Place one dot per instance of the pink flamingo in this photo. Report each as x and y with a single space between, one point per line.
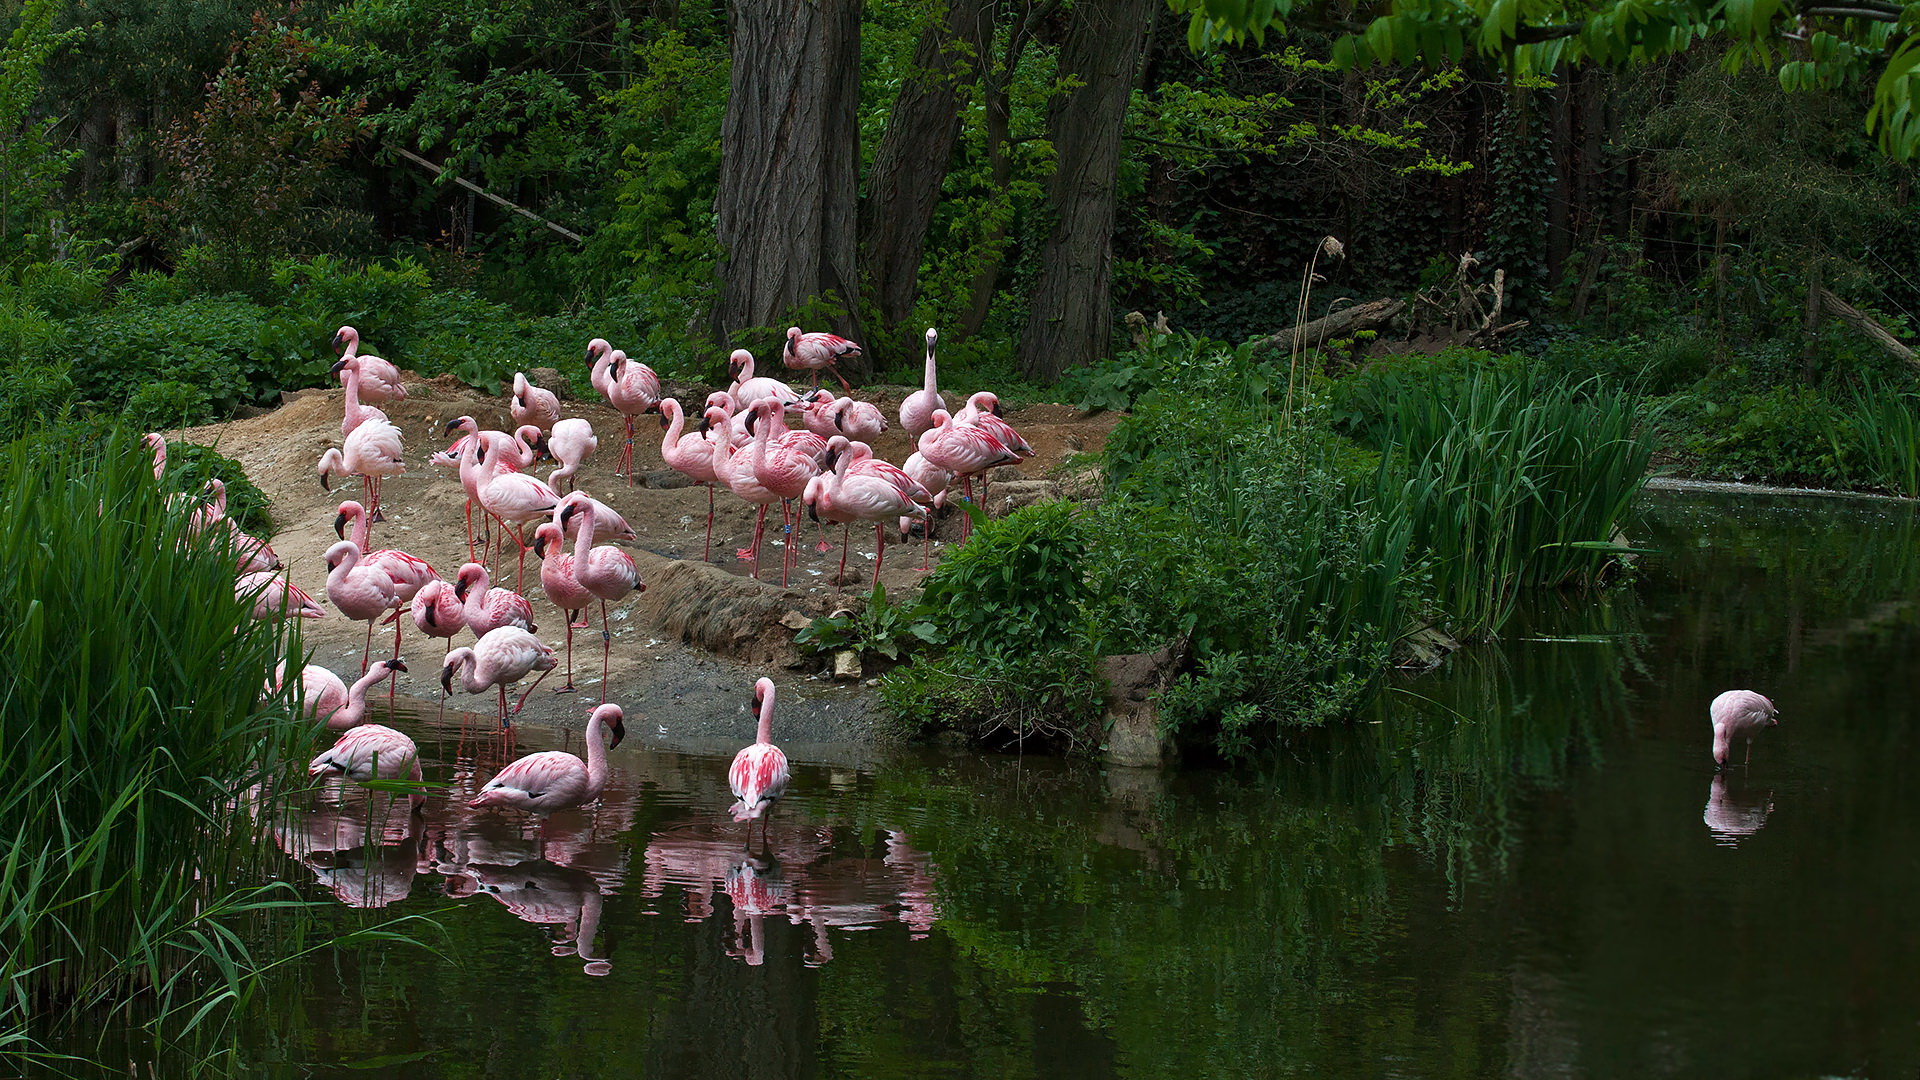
571 443
690 455
505 656
545 783
529 445
532 405
252 554
735 469
633 389
608 525
759 773
863 489
372 752
916 412
518 500
409 572
274 597
563 588
607 572
963 451
472 473
158 444
379 380
827 416
355 413
784 472
811 352
746 390
359 592
1740 714
935 479
326 697
438 612
599 359
485 608
372 453
983 412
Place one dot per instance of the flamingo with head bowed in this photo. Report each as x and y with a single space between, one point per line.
827 416
863 489
1740 714
735 469
360 592
327 698
533 405
274 597
692 455
379 379
599 360
607 572
372 453
438 612
372 752
485 608
571 444
252 555
545 783
783 471
983 411
518 500
529 446
759 772
563 589
811 352
963 450
409 572
746 389
916 412
505 656
633 389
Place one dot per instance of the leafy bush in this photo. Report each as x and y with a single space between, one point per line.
1017 586
878 628
1791 434
1051 698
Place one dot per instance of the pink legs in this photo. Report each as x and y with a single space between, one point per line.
568 689
759 527
606 651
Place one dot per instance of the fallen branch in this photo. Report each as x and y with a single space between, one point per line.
1860 321
1346 322
488 195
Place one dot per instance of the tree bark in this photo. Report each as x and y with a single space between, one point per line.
998 123
1346 322
789 162
1860 321
910 166
1070 316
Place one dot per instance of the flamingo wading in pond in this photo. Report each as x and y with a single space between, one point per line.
372 752
326 697
555 780
759 772
1739 714
505 656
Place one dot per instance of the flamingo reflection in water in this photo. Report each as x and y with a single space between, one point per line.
366 852
1732 816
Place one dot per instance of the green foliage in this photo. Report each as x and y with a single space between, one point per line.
878 628
30 166
1885 424
1016 586
1050 698
1785 434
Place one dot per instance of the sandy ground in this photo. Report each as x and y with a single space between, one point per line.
675 696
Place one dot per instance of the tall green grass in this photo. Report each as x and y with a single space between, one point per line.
1885 422
132 741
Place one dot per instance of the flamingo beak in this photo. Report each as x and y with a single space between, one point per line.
996 409
540 547
460 586
839 420
337 368
751 417
433 619
566 515
396 664
446 679
733 371
340 526
706 425
619 733
813 512
663 420
324 486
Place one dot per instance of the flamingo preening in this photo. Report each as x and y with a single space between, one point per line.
606 572
531 405
361 593
438 612
379 379
916 411
827 416
692 455
505 656
328 699
571 443
759 772
485 608
274 597
1739 714
554 780
563 589
372 752
811 352
746 389
864 489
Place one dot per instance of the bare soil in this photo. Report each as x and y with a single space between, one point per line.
685 653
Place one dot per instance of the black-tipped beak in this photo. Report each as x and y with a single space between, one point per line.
539 547
663 421
340 526
813 513
996 409
751 417
446 680
332 565
460 586
397 664
338 367
566 516
706 425
832 459
733 372
839 419
589 355
324 486
450 427
433 617
619 733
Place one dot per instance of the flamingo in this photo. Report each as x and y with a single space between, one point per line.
372 453
505 656
532 405
691 456
735 469
409 572
355 412
563 589
863 489
518 500
211 510
1740 714
529 445
379 380
274 597
983 411
486 608
759 773
827 416
935 479
633 389
554 780
328 699
372 752
252 554
811 352
571 443
438 612
916 412
746 389
599 359
607 572
359 592
158 444
963 451
784 472
608 525
472 474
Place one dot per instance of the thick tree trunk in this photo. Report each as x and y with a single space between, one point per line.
789 161
1070 317
998 122
903 187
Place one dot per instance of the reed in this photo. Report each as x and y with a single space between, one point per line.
133 740
1886 429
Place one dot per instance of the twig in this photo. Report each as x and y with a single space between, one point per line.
488 195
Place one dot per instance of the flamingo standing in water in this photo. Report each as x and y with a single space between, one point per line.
563 589
553 780
485 608
633 389
571 443
784 472
274 597
379 379
691 455
607 572
372 752
916 411
811 352
746 389
759 772
1740 714
735 469
359 592
505 656
327 698
532 405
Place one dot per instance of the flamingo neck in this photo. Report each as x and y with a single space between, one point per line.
598 376
355 411
583 544
746 373
477 599
360 528
357 693
596 758
676 425
764 734
928 382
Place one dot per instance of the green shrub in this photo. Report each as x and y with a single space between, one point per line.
31 394
168 404
209 344
1047 699
1884 423
1018 585
1790 434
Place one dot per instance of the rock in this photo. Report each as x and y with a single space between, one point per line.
665 479
710 609
846 666
548 378
1005 497
1003 475
793 620
1072 442
1134 683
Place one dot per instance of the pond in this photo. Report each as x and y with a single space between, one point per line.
1521 865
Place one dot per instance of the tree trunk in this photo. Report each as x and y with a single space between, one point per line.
903 187
1070 316
998 122
789 161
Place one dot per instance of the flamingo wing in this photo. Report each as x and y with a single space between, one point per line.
758 776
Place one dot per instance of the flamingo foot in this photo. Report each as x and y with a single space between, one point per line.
567 689
823 547
743 554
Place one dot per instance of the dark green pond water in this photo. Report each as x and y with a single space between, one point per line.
1523 865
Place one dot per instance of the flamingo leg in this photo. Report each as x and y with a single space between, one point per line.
626 453
443 698
375 515
786 539
842 578
505 723
926 549
520 578
391 680
844 385
568 689
469 529
606 651
530 690
879 548
366 653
